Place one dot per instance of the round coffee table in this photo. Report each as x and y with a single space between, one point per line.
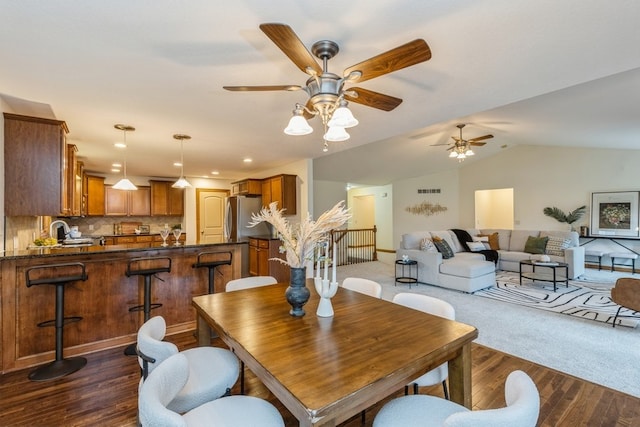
554 276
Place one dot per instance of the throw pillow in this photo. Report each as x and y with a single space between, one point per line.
493 240
427 245
475 246
443 247
556 245
536 245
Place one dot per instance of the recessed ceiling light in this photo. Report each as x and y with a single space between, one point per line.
178 164
120 145
247 160
215 173
116 165
115 170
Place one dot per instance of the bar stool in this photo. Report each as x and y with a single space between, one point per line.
46 275
624 255
146 267
213 260
595 254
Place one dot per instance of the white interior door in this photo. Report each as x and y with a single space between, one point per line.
363 212
210 208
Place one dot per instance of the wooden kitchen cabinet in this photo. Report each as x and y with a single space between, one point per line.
260 253
73 177
166 200
127 202
247 187
36 177
94 195
281 189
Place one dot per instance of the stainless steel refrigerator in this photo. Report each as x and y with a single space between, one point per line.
238 212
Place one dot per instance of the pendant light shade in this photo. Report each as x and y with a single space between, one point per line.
182 181
124 183
336 134
342 116
298 124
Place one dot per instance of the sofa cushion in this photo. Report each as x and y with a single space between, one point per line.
412 240
536 245
556 245
571 235
467 268
493 240
475 246
443 247
427 245
503 237
519 239
512 256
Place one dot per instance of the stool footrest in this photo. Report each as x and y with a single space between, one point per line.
141 307
65 321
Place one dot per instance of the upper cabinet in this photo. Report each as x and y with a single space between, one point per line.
247 187
127 202
36 174
166 200
280 189
94 197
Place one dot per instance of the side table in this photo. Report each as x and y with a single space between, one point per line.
406 277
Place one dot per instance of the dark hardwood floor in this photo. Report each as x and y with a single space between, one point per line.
104 393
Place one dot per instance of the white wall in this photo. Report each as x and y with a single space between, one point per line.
326 194
383 208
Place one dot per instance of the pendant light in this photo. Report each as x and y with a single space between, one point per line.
124 183
182 181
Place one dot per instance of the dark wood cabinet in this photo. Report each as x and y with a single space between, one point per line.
35 180
94 195
281 189
127 202
73 168
260 264
166 200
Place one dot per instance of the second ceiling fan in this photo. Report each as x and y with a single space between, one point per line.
461 148
326 91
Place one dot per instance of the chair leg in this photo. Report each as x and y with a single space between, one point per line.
415 388
406 390
446 390
363 417
241 377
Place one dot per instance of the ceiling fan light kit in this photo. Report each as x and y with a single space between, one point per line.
461 149
124 183
328 98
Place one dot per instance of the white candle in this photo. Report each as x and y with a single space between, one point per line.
326 262
318 254
333 277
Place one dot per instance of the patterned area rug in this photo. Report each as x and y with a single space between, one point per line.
588 300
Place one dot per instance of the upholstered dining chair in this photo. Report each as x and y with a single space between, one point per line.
522 410
249 282
626 293
213 371
436 307
172 376
364 286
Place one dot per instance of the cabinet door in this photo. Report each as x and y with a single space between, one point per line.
115 201
253 260
34 159
95 195
263 262
78 195
175 204
266 192
140 202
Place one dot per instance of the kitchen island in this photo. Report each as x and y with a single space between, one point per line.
103 300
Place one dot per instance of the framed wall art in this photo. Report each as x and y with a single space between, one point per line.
614 214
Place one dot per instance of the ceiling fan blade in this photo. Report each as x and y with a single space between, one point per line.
477 144
289 43
480 138
393 60
372 99
261 88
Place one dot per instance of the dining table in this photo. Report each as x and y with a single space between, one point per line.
325 370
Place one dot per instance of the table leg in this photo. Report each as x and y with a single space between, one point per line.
460 377
555 283
204 332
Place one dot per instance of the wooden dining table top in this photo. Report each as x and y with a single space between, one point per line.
331 367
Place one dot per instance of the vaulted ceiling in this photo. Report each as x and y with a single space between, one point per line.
544 72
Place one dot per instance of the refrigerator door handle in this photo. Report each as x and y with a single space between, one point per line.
227 221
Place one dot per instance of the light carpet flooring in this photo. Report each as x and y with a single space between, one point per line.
590 350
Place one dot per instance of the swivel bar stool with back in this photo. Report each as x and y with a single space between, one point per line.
58 275
213 260
146 267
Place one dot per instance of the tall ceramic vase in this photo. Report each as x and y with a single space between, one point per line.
326 290
297 293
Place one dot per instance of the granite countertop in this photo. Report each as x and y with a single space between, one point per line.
45 251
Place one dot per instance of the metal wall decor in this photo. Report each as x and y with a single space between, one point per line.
426 209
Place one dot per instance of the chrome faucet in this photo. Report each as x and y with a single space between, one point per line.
67 230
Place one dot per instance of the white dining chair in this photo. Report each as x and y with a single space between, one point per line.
249 282
436 307
522 410
364 286
171 377
214 370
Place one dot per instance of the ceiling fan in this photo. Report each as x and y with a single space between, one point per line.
461 148
327 95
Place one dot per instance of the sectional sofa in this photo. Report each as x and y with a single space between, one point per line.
469 271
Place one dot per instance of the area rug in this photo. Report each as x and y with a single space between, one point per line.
587 300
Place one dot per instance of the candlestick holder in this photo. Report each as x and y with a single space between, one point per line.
326 290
